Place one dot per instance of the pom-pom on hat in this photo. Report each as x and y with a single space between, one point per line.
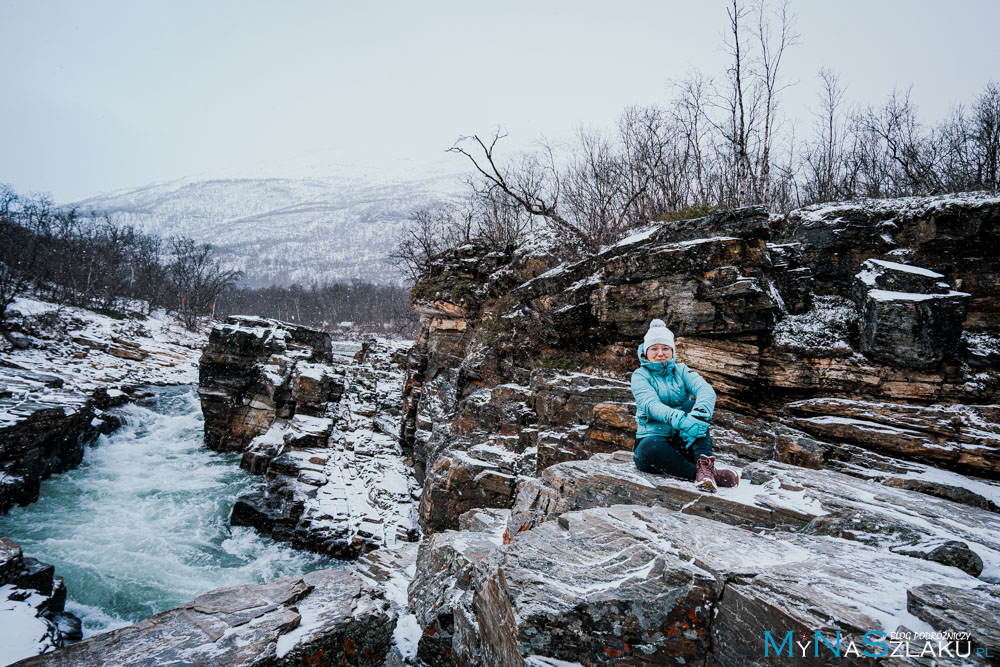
658 334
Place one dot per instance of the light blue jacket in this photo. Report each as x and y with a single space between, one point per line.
660 388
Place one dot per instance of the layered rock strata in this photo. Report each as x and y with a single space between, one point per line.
39 437
867 498
522 361
321 428
778 496
244 375
956 235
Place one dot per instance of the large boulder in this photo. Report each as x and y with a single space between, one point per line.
460 481
635 585
909 317
324 617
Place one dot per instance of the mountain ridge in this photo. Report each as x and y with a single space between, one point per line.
282 230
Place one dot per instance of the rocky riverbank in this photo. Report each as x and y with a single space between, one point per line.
63 371
32 600
320 425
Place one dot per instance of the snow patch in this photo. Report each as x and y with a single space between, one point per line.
825 327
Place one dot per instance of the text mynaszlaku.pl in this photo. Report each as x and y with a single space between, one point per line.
874 644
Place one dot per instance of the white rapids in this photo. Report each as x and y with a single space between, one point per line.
142 525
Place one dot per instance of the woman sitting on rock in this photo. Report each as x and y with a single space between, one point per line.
672 431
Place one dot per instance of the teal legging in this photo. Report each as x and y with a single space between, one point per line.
667 455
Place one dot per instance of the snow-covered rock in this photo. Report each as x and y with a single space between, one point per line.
322 428
908 316
957 235
31 607
649 585
323 617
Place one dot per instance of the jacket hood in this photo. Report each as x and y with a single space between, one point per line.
657 367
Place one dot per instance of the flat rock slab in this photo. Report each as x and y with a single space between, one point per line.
613 479
962 437
636 585
976 611
326 616
784 497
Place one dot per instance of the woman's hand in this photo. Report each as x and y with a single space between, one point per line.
691 429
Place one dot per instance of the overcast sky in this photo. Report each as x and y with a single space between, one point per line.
104 95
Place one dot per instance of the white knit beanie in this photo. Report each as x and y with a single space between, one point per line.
658 334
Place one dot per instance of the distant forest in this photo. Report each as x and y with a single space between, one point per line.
367 307
92 262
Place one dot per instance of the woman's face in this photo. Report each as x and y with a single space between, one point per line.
659 352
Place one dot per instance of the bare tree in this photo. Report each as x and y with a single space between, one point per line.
495 218
432 230
741 98
653 156
590 201
825 154
533 182
971 143
768 65
595 185
197 278
690 114
891 154
986 137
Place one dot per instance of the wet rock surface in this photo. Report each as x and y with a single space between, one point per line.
324 617
648 585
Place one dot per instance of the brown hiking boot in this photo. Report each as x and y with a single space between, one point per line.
704 474
725 478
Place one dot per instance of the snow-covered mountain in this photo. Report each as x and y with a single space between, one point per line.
285 230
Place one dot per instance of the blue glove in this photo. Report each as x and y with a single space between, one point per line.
691 429
676 418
